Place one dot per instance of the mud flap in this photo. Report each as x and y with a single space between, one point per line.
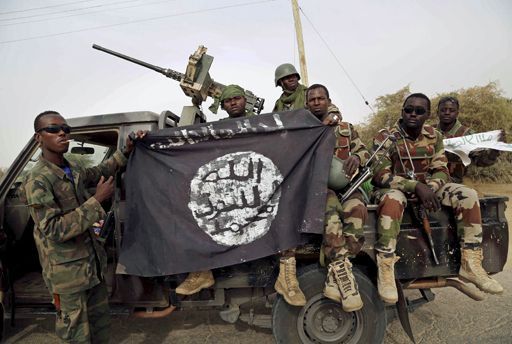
403 311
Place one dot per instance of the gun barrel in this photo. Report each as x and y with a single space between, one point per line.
165 71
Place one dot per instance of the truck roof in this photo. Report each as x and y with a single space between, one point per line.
113 119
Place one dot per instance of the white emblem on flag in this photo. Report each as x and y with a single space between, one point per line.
235 197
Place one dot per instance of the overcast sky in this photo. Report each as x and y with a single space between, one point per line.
46 59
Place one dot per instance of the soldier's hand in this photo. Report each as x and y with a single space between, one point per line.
332 119
350 165
427 197
104 189
130 140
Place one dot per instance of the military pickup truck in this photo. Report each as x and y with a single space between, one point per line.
238 288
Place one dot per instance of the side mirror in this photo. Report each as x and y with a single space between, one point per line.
82 150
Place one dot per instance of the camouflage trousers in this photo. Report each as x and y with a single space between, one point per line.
343 234
83 317
463 201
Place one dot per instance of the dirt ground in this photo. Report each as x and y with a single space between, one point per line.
452 318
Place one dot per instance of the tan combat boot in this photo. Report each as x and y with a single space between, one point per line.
195 281
471 270
287 284
386 278
341 285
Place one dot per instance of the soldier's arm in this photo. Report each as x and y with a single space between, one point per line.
438 169
384 176
484 157
107 168
49 217
357 147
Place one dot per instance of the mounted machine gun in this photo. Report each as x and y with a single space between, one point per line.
195 83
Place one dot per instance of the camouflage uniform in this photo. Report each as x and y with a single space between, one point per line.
455 165
430 167
73 261
344 222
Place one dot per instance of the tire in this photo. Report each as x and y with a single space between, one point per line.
322 320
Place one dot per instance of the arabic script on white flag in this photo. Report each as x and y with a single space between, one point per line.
464 145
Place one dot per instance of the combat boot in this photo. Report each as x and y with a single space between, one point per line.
287 284
471 270
194 282
386 277
341 285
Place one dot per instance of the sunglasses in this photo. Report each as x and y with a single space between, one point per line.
55 129
418 109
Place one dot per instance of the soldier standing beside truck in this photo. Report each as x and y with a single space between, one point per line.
418 167
64 214
450 126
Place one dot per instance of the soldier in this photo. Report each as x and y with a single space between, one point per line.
64 214
418 167
450 126
293 96
294 93
343 236
232 100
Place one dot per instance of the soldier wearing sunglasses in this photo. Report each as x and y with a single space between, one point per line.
417 167
64 213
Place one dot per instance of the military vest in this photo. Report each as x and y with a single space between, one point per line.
414 155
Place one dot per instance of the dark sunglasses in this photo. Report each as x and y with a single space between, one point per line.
55 128
418 109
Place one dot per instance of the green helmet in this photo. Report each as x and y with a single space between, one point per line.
337 178
284 70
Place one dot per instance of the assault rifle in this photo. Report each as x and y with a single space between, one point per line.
366 172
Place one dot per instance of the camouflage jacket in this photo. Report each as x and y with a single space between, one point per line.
64 213
348 143
429 163
455 165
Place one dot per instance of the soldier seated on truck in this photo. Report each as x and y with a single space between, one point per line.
294 93
344 223
233 101
418 167
450 126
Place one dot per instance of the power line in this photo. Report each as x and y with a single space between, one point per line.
69 10
85 13
135 21
338 61
45 7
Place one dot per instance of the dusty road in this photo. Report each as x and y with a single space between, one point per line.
452 318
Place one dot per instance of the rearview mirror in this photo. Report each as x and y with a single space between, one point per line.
82 150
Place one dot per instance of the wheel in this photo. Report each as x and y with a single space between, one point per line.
322 320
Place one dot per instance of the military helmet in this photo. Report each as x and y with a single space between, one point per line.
337 179
284 70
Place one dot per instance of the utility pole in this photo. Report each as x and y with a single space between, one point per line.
300 43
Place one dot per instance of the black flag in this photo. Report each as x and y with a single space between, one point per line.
217 194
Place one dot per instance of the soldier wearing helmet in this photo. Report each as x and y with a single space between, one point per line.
293 97
294 93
